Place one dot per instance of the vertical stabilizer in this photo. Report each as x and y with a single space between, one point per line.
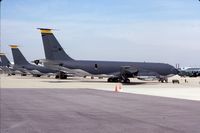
18 57
52 48
4 60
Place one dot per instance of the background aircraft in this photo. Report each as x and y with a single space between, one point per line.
191 72
20 63
120 71
4 60
7 67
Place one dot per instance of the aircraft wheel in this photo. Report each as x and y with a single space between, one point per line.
65 76
162 80
61 75
113 79
23 74
37 75
125 80
109 80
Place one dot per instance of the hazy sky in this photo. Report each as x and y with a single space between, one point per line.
126 30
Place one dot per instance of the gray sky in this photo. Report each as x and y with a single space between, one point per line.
131 30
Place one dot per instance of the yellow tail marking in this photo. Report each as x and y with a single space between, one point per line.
45 31
14 46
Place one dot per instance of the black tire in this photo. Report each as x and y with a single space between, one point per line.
127 81
23 74
110 80
56 77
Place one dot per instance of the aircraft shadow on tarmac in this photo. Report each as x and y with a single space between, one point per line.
70 81
141 83
87 81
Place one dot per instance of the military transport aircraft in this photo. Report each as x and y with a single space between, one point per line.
4 63
118 71
20 63
190 72
4 60
7 67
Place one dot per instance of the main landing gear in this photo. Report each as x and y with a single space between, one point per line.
36 75
118 79
23 74
163 79
61 75
125 72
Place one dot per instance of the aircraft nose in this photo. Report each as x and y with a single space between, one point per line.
174 71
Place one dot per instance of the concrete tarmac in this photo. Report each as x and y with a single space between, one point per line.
88 111
189 90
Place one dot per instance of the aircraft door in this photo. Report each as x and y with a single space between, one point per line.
96 66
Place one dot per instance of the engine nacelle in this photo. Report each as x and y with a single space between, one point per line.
36 62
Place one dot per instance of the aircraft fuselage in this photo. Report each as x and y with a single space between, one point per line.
110 67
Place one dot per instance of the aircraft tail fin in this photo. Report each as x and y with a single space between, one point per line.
18 57
4 60
52 48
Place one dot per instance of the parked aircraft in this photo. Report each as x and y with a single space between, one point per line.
191 72
7 67
4 63
120 71
20 63
4 60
